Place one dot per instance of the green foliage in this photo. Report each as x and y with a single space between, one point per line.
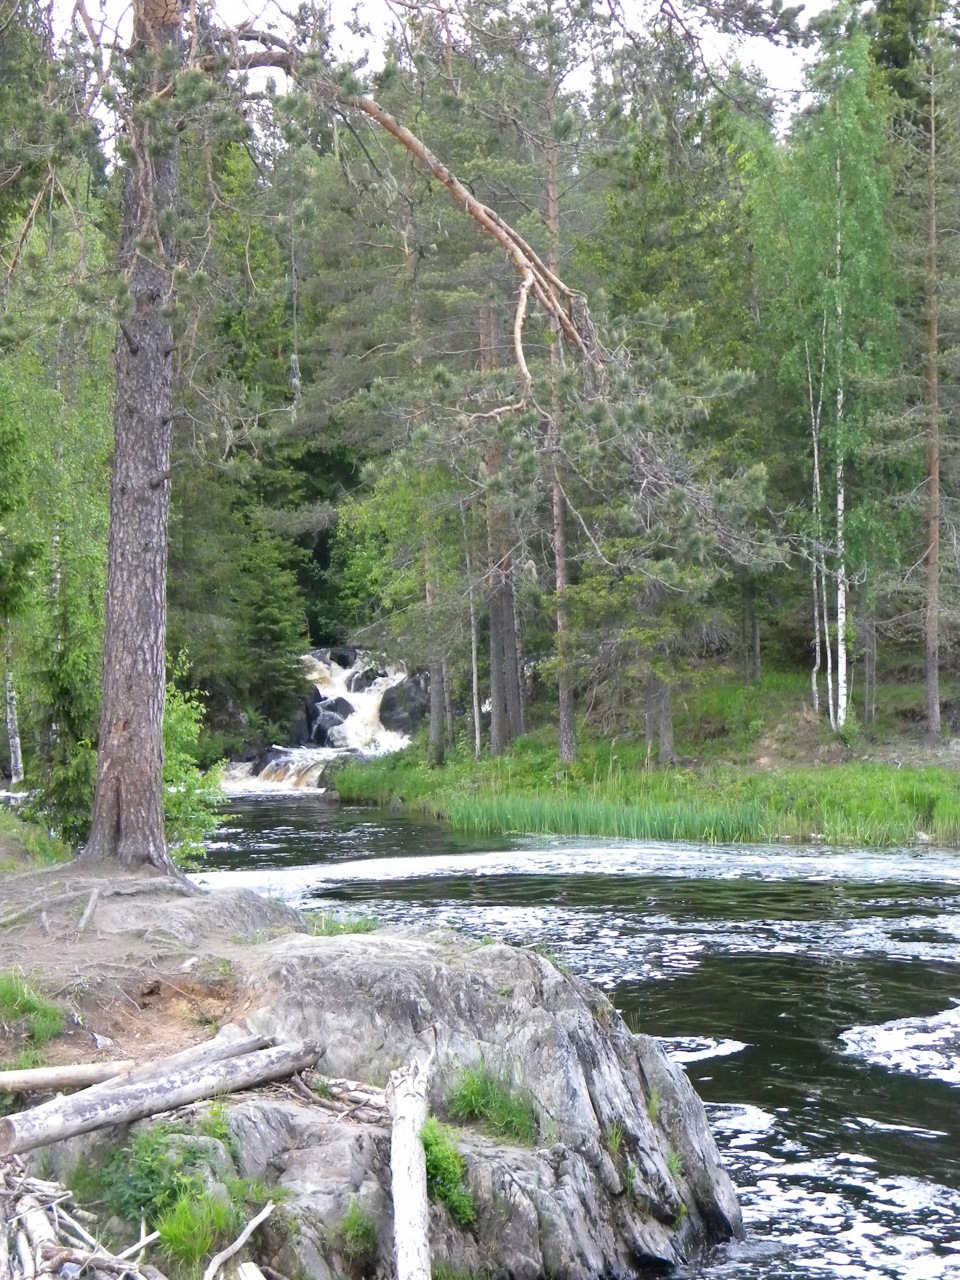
195 1226
674 1164
21 1004
478 1094
356 1237
446 1173
324 925
192 799
653 1104
147 1178
38 845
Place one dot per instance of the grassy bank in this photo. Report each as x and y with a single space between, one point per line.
24 844
611 791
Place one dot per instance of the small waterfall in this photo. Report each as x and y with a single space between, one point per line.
341 718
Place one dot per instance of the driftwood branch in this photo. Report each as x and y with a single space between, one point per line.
217 1261
407 1096
101 1106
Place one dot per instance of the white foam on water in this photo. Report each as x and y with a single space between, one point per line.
927 1047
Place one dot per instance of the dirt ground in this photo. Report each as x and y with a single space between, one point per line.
149 973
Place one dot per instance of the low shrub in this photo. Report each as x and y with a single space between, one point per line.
447 1172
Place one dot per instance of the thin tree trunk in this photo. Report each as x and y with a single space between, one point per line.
650 717
13 727
521 677
815 672
566 715
932 613
127 821
474 647
499 734
756 649
841 491
448 708
665 723
435 672
511 658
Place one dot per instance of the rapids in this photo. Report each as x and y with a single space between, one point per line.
812 995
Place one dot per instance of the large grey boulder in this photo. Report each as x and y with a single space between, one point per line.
625 1175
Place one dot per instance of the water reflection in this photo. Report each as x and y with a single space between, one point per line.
809 992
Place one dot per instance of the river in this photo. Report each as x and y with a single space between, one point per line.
812 994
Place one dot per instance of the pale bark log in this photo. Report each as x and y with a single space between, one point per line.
84 1112
221 1048
408 1170
43 1079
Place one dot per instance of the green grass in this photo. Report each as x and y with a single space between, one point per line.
610 792
195 1226
356 1237
478 1094
447 1172
37 846
322 924
20 1003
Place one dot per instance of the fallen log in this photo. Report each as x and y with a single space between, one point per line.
95 1108
225 1044
75 1076
407 1098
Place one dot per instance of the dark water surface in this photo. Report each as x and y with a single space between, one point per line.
813 995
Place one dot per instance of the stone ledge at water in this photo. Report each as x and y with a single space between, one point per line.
626 1175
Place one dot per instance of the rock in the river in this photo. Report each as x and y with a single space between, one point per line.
322 725
625 1175
404 705
343 656
360 681
340 705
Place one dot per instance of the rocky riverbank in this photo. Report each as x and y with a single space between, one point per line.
620 1174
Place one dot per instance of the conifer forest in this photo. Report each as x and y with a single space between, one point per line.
549 347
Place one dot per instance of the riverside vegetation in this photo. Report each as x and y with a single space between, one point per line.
725 786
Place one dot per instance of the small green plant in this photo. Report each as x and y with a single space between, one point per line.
653 1104
320 1087
195 1226
629 1177
356 1237
19 1002
613 1140
446 1173
478 1094
322 925
674 1164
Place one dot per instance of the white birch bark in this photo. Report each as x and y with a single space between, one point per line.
842 692
13 732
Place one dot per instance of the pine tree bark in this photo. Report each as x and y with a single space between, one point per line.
511 657
499 733
128 804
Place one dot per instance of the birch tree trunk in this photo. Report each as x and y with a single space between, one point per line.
127 821
842 691
13 727
932 612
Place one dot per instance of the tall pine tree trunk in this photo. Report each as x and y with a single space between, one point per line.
932 612
128 804
435 673
511 656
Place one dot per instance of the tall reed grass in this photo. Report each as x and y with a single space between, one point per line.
611 793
